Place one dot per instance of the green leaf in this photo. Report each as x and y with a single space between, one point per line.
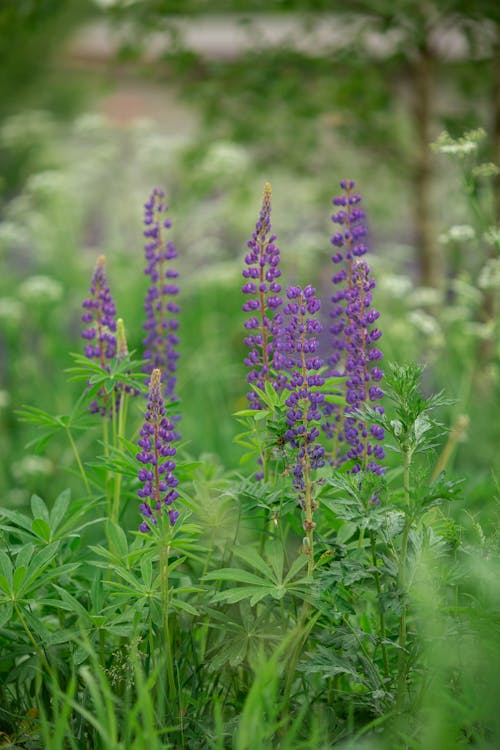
330 398
275 555
19 578
271 393
6 610
184 607
252 557
117 538
147 571
346 531
25 554
6 569
5 585
40 562
244 592
234 574
39 509
41 528
299 563
60 508
18 518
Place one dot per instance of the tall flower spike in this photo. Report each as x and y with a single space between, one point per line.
263 300
297 347
156 456
100 324
353 352
161 323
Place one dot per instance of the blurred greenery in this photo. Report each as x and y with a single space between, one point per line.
73 184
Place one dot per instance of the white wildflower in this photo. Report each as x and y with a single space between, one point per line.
395 285
224 158
489 276
31 467
11 310
458 233
426 324
492 237
39 289
425 296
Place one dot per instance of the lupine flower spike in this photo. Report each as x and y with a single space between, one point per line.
353 338
161 310
99 318
263 300
158 492
297 346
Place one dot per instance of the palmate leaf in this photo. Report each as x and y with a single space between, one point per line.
266 580
78 419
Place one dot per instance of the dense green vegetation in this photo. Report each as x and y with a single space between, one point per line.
358 611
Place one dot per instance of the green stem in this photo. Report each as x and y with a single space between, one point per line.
402 660
78 460
32 638
164 583
122 420
378 585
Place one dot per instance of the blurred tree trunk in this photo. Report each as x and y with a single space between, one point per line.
496 120
428 256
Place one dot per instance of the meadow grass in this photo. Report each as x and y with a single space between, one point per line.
302 568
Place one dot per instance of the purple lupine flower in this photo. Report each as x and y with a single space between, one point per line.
363 373
263 290
353 352
100 323
296 356
156 456
161 323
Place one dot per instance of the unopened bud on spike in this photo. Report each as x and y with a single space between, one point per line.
155 381
121 339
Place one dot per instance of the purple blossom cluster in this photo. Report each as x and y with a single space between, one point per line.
99 317
100 324
262 290
156 456
296 357
161 323
349 244
353 340
363 373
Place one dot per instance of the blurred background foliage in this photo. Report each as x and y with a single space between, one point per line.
102 100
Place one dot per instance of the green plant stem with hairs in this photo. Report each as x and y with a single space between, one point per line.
402 579
164 550
378 585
